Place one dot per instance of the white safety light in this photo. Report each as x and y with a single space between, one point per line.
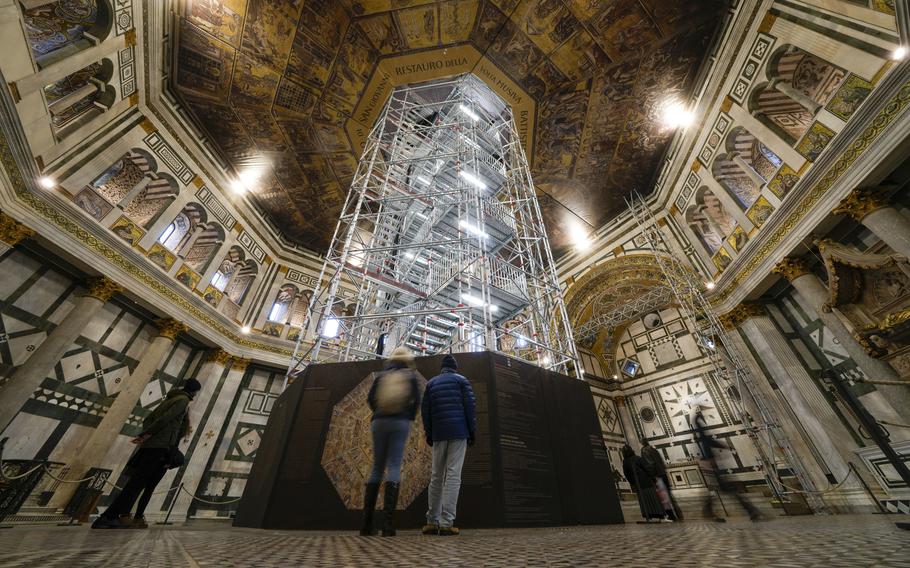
245 330
473 229
472 179
47 182
238 186
579 237
709 285
899 53
330 328
469 112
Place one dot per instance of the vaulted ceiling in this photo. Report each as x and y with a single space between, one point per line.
280 87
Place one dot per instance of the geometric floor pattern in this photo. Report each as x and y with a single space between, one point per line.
804 542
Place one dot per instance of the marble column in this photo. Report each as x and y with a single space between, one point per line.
869 207
206 437
94 450
628 426
821 424
26 379
200 415
886 402
747 169
12 232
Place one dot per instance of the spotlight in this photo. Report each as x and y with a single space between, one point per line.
238 186
579 236
330 329
899 53
245 330
709 285
47 182
676 115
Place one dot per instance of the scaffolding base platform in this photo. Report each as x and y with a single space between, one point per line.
538 460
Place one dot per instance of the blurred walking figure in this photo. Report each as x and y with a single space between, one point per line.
642 482
658 469
449 423
706 445
162 430
394 399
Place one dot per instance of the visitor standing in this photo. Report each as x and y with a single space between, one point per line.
642 482
706 445
662 483
450 425
394 398
162 430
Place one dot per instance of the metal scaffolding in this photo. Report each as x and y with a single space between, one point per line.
440 243
772 446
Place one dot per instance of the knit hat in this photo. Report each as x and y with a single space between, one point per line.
192 385
448 362
402 355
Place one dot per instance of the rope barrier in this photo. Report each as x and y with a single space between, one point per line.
823 491
15 477
210 502
115 486
885 422
55 478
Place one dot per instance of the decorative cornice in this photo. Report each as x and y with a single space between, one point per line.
741 313
12 231
170 328
791 268
241 363
861 202
102 288
219 356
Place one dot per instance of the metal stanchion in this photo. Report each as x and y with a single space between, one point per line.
167 517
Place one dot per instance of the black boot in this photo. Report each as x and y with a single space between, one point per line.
388 508
369 505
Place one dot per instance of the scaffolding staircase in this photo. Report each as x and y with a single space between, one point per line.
772 445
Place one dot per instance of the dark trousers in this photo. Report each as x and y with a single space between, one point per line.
148 467
722 486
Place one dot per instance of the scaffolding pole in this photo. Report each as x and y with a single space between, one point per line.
440 242
761 425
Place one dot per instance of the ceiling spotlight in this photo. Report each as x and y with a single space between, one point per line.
47 182
238 186
580 237
245 330
676 115
899 53
615 377
709 285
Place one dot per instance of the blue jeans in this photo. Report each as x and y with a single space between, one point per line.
445 481
389 437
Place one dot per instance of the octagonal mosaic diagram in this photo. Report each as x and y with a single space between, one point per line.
348 454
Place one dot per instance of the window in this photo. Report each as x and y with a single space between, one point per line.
220 280
278 311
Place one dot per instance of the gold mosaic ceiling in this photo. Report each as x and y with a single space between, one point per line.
286 89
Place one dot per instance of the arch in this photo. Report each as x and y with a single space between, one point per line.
231 261
174 236
278 313
78 93
742 187
203 248
703 229
799 84
755 155
153 199
56 30
118 180
301 305
246 275
714 209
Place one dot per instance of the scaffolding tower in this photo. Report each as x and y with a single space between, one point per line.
440 242
772 446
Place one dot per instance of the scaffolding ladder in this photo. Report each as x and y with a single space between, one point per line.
761 426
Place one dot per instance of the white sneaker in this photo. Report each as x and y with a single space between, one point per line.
666 520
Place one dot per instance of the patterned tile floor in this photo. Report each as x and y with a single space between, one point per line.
832 542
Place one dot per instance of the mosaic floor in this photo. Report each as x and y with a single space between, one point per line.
789 542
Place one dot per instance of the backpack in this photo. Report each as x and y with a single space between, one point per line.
393 393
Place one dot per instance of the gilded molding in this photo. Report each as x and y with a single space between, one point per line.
895 319
861 202
219 356
791 268
102 288
241 363
12 232
889 112
740 314
170 328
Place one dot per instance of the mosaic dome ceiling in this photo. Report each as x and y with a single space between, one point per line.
288 88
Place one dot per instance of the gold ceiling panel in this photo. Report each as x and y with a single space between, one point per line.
291 87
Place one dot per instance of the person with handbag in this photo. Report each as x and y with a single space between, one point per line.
394 399
158 451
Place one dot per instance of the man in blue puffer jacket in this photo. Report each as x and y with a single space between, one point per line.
448 421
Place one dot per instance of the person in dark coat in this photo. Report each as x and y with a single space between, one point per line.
641 481
706 445
394 399
161 432
658 469
450 424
